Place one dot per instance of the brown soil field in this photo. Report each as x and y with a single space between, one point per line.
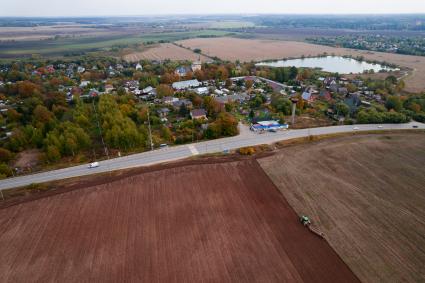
164 51
367 194
255 49
214 222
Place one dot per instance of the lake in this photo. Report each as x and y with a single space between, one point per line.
333 64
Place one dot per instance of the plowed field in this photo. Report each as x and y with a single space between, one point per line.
367 194
217 222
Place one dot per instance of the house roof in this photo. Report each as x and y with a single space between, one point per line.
306 95
198 113
186 84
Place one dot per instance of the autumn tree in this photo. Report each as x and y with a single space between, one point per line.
164 90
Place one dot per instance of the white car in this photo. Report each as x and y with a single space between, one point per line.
380 127
356 128
94 165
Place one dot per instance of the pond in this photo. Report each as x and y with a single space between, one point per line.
333 64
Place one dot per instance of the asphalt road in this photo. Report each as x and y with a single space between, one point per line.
246 138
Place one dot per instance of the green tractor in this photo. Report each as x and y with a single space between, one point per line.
305 220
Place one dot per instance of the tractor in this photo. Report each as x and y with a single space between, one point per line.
305 220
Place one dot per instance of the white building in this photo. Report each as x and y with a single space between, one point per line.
186 84
202 90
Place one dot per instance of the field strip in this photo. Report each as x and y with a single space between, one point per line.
193 149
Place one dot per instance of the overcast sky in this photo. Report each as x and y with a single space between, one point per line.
153 7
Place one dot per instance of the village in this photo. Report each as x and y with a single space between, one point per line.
74 110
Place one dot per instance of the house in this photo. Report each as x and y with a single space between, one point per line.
308 97
163 112
50 69
139 67
147 90
132 85
169 100
196 66
84 84
343 90
94 93
202 90
186 102
186 84
240 98
109 88
182 71
198 114
334 88
81 69
329 81
325 95
218 92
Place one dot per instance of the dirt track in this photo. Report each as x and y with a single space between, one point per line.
216 222
255 49
367 194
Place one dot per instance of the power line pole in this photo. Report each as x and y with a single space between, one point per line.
150 131
105 148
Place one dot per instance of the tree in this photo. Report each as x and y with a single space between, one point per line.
164 90
293 72
5 155
249 84
342 109
394 102
42 115
52 153
183 111
5 171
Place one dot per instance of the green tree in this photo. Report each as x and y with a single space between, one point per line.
342 109
393 102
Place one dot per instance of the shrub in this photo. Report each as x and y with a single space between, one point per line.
247 150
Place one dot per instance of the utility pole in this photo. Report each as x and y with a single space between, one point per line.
294 105
150 131
100 131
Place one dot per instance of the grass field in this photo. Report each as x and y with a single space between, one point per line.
367 194
188 222
254 49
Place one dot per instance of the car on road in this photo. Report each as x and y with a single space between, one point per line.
163 145
356 128
415 126
94 165
380 127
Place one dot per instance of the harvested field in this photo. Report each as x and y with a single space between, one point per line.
216 222
367 194
164 51
254 49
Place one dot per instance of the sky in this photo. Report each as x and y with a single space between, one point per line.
48 8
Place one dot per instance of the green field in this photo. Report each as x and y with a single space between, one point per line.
65 46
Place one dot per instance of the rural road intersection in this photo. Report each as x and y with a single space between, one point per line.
245 138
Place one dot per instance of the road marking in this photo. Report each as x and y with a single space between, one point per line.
193 149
